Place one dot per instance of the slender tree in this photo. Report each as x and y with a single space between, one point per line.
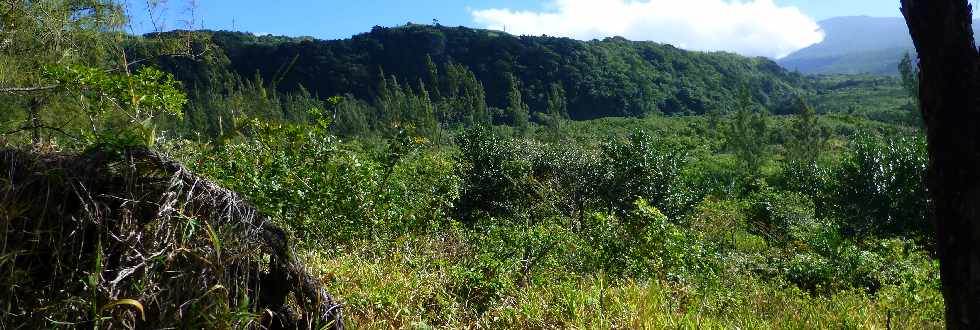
949 98
747 135
557 109
517 110
909 73
351 116
425 117
808 135
432 78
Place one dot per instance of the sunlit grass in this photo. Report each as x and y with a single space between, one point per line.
409 283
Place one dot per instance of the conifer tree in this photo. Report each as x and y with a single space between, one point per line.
71 51
35 34
351 117
557 109
426 121
517 111
747 135
808 135
432 78
909 73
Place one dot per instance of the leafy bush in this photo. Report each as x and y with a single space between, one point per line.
423 190
642 167
720 221
489 174
645 243
325 192
811 179
525 178
480 282
782 217
847 265
881 188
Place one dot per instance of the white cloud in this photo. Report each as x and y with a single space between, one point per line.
755 28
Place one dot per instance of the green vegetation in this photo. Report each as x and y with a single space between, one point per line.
663 228
454 178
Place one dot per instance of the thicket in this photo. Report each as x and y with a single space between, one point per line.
644 206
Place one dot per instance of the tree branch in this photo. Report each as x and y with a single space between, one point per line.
175 54
15 90
31 127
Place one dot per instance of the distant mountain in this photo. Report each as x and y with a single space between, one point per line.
855 44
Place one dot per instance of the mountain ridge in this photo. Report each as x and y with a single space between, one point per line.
603 78
856 45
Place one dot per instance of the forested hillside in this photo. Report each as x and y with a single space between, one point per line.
600 78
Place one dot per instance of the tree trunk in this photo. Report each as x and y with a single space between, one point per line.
34 118
948 60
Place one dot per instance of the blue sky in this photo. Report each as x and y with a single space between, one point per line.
342 18
735 24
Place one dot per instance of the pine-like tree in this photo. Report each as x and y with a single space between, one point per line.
557 109
425 119
36 34
517 111
808 136
432 78
747 136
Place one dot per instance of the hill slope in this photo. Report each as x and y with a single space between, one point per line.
853 45
611 77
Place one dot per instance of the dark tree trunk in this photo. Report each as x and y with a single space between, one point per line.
948 60
34 120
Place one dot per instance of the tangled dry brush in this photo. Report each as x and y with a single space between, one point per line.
130 239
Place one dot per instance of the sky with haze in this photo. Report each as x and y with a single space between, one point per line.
771 28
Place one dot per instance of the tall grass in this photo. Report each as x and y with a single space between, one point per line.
411 282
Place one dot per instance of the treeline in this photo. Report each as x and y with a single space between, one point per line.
449 97
599 78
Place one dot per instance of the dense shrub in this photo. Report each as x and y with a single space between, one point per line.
645 243
497 180
525 178
324 192
847 265
643 167
876 189
818 181
881 188
782 217
722 222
